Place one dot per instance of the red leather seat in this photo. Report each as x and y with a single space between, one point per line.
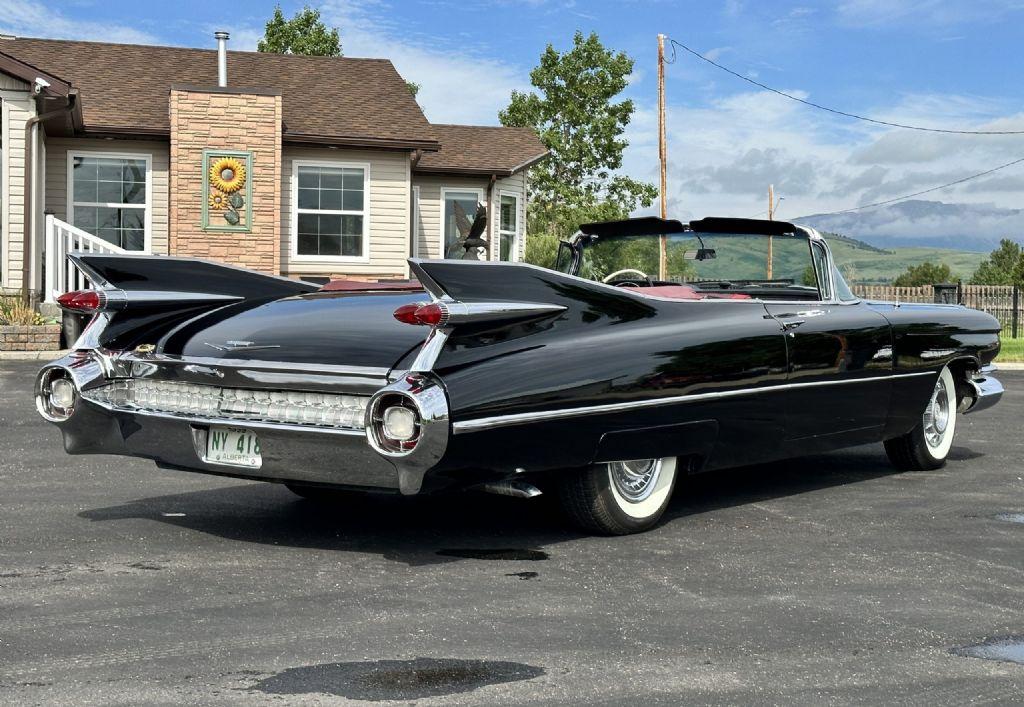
686 292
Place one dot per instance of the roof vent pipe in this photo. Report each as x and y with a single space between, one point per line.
222 57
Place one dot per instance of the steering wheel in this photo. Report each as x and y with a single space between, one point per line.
641 273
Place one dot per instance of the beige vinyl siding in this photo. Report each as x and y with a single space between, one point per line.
388 202
516 185
431 186
17 109
9 83
57 177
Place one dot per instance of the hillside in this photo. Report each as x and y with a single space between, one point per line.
869 265
861 262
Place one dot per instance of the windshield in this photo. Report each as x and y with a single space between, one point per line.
706 260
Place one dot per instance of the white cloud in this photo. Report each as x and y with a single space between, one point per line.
29 18
457 85
723 156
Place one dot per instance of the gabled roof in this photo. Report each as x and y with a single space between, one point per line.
475 149
124 88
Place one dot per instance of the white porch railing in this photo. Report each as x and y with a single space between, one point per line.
63 238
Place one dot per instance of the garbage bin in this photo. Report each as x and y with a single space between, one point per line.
71 327
946 293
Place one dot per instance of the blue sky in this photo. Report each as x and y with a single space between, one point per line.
944 64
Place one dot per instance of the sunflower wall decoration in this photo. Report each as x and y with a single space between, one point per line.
228 184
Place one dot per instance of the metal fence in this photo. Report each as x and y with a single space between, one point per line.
1001 301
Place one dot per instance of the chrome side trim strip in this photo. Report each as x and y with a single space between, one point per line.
486 423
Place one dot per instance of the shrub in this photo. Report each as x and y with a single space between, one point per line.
13 312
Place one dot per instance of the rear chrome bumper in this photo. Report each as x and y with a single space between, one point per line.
290 452
986 390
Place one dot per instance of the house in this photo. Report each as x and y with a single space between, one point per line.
310 167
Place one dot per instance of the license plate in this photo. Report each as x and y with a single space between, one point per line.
227 445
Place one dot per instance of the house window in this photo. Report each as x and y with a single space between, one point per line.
110 197
508 228
459 210
330 211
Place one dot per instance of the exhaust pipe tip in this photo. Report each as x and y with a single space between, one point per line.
516 489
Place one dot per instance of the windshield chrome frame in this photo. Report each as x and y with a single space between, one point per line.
813 237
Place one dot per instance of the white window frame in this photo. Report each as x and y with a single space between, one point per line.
293 248
515 234
147 221
442 249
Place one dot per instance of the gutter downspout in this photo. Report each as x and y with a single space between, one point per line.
27 255
490 215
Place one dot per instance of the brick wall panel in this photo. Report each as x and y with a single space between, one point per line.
221 121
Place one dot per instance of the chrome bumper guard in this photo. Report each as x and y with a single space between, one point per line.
986 390
292 450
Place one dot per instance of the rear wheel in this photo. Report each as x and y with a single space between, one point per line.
618 498
927 445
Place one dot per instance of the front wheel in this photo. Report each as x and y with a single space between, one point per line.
619 498
927 445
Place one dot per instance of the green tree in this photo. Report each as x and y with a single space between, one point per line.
1004 266
924 274
574 111
305 33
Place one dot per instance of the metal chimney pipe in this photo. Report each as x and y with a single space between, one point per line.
222 57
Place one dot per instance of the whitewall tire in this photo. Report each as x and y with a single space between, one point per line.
618 498
927 445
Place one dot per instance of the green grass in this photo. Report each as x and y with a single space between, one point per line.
876 266
1012 350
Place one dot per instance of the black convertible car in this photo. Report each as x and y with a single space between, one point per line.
596 379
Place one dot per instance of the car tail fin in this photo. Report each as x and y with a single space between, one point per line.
519 285
161 278
138 293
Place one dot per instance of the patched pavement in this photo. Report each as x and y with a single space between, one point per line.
827 579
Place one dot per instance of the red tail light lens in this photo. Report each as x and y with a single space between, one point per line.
431 314
407 313
81 301
426 314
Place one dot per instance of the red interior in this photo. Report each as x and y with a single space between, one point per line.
684 292
363 286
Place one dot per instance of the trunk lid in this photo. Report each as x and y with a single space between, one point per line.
337 328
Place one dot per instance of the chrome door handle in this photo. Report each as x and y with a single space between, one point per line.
791 324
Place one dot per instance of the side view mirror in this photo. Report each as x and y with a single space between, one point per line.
701 254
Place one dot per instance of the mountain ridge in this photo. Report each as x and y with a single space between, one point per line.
976 228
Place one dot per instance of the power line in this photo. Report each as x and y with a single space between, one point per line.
926 191
833 110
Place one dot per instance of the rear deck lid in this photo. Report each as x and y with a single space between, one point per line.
343 328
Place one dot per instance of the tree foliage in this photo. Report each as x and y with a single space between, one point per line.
1004 266
305 33
574 110
924 274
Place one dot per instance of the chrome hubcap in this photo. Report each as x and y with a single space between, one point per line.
635 480
936 416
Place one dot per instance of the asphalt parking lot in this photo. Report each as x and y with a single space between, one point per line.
827 579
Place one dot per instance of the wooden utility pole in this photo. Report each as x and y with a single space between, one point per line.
771 217
662 154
